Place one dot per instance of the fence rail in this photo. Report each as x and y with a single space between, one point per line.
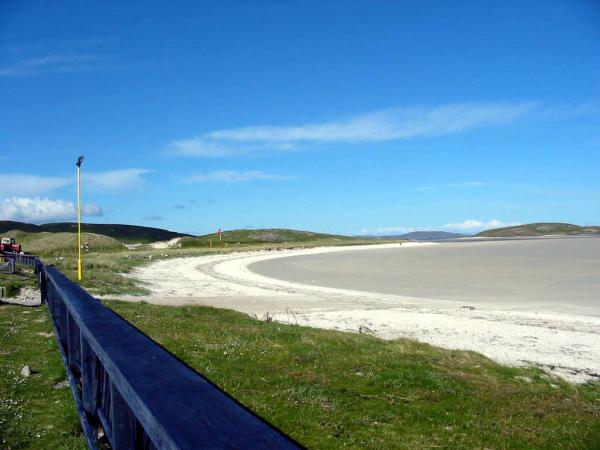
21 258
134 392
7 264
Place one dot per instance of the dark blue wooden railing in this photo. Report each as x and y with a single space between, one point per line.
7 264
21 258
133 392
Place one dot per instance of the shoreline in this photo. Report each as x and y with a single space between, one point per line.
563 344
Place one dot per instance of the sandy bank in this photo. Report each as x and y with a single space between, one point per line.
567 345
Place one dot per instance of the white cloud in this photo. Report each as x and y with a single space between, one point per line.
115 180
461 185
50 64
384 125
40 210
232 176
26 185
471 224
398 123
467 184
201 147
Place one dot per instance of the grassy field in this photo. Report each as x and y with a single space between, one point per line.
33 414
103 273
268 236
63 243
339 390
124 233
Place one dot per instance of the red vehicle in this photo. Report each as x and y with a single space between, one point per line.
9 245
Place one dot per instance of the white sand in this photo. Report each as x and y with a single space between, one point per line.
26 297
564 344
166 244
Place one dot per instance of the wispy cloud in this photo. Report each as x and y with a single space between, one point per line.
61 46
467 184
460 185
233 176
471 224
385 125
57 63
40 210
153 217
19 184
203 147
572 110
52 56
109 182
115 181
391 124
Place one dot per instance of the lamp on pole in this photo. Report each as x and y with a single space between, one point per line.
79 264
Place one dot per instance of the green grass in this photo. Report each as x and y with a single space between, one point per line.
33 415
63 243
339 390
125 233
104 272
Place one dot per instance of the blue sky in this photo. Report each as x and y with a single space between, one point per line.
371 117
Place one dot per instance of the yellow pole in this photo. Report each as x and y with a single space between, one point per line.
79 265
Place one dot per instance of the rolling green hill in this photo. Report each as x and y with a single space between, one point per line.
129 234
264 236
64 243
540 229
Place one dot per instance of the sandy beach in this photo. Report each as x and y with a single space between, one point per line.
561 335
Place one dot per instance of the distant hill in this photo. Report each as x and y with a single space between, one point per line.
428 236
130 234
8 225
417 236
270 235
540 229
